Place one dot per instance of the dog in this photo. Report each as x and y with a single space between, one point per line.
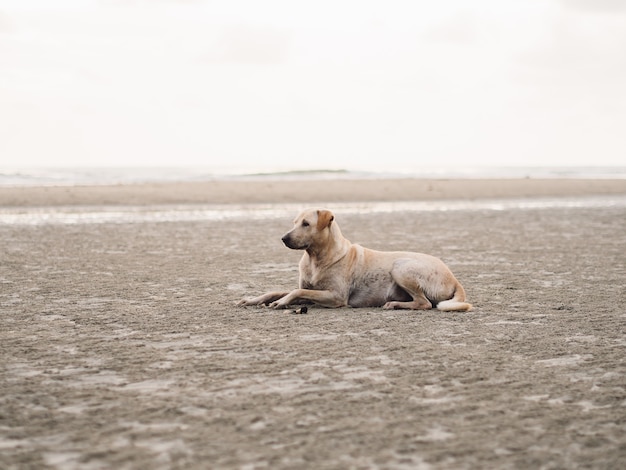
337 273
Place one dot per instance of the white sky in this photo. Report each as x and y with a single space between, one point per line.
330 83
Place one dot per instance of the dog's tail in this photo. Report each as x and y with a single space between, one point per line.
456 303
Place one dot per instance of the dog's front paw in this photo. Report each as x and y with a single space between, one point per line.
278 305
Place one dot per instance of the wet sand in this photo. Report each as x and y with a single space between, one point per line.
122 348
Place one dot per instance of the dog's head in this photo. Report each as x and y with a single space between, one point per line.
311 228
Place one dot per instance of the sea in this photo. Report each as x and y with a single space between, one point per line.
72 176
71 215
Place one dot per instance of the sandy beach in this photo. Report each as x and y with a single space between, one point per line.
306 191
121 346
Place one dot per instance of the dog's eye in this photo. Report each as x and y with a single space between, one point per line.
305 223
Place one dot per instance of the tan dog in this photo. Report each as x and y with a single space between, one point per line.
337 273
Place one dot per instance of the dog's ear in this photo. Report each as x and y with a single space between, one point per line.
324 219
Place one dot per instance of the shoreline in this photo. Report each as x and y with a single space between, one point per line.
305 191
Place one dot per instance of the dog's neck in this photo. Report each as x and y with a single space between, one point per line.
332 252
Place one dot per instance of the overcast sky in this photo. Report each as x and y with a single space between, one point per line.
312 84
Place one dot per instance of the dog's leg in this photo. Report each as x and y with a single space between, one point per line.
419 302
441 286
264 299
407 276
325 298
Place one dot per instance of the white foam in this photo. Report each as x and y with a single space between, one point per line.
72 215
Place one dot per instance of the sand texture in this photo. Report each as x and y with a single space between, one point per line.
305 191
121 347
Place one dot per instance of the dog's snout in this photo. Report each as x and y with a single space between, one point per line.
287 240
291 242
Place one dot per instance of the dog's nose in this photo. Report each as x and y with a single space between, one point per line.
285 239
